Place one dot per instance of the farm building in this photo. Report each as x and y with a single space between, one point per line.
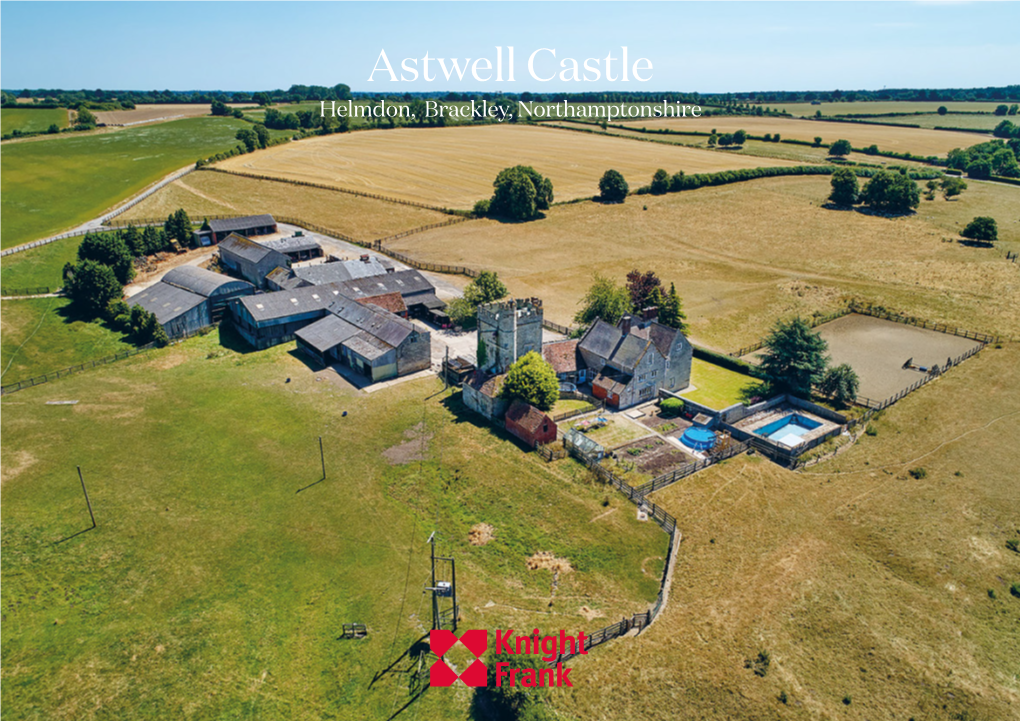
373 341
418 293
179 311
565 359
218 288
247 226
284 279
251 260
631 361
530 424
509 329
298 247
272 318
481 394
393 302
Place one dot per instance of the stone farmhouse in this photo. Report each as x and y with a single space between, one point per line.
631 361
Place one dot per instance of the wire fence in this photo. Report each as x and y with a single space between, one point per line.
64 372
334 188
40 290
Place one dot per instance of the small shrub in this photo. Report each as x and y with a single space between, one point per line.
847 700
1014 590
760 664
871 431
1013 545
605 502
634 451
671 406
918 473
783 697
991 593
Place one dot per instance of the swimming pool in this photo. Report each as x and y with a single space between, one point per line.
788 430
698 437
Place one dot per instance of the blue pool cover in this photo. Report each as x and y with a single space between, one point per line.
698 437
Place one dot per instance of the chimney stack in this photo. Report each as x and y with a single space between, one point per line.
625 323
650 313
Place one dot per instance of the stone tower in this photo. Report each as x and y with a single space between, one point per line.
509 329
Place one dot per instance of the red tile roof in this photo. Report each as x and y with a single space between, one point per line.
527 417
561 355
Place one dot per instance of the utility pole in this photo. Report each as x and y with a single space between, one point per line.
87 501
442 589
322 457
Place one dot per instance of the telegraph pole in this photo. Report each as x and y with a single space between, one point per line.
322 457
87 501
442 589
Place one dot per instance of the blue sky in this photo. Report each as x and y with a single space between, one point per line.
707 47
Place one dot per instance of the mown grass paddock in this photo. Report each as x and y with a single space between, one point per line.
455 167
856 578
918 141
877 350
212 587
55 183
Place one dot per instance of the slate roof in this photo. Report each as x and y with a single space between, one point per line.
285 278
204 282
630 351
393 302
326 333
340 271
244 248
406 282
166 301
527 417
562 356
244 223
612 381
389 328
293 244
601 339
283 303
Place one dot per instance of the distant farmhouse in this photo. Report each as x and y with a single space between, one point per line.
189 299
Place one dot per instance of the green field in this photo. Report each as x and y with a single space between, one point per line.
51 185
950 120
40 337
881 107
214 587
31 121
717 387
38 267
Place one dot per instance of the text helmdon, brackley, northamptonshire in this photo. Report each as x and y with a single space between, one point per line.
541 67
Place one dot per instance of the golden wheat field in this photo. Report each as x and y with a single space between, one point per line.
211 193
880 107
744 254
875 595
455 167
917 141
157 112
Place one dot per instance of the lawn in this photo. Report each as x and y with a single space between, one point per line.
218 193
51 185
39 336
219 575
39 267
857 579
565 405
745 254
30 120
717 387
918 141
617 432
455 167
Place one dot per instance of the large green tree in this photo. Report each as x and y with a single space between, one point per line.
486 288
604 299
520 192
840 148
671 310
111 250
640 286
845 190
612 187
794 358
91 286
178 227
983 229
660 182
891 192
841 384
532 380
